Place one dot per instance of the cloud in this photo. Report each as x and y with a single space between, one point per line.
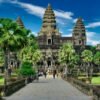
62 16
39 11
75 20
67 35
93 25
32 9
35 33
91 38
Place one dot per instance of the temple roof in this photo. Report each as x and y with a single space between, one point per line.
19 22
79 25
49 18
79 29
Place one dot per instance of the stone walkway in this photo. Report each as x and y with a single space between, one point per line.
49 89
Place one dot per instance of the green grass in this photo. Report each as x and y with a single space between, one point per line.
14 75
81 77
95 80
1 81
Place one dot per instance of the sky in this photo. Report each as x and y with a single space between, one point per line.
66 11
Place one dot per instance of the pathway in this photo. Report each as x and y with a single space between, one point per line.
49 89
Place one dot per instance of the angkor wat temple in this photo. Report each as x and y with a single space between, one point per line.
50 39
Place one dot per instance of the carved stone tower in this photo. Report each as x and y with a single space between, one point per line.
49 28
49 36
79 33
19 22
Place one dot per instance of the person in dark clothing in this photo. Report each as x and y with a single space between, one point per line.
45 74
54 73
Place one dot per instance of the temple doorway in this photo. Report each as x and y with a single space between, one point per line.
49 63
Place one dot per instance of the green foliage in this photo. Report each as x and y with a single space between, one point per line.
26 69
93 49
67 54
12 37
95 80
87 56
97 58
1 57
31 52
1 81
75 60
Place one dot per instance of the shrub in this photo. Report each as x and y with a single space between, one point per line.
27 69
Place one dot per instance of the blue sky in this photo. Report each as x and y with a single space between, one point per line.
67 12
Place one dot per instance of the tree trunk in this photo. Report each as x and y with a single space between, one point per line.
87 75
7 62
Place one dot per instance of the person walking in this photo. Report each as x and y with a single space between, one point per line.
54 73
37 75
45 73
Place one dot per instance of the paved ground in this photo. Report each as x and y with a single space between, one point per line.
49 89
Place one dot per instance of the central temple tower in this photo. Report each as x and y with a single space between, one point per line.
49 37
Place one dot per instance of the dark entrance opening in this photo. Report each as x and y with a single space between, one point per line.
49 41
49 63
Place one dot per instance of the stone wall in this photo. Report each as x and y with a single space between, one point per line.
13 87
96 93
85 88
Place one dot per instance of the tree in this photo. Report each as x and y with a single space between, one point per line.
1 58
97 59
87 58
27 70
12 38
93 49
67 55
31 52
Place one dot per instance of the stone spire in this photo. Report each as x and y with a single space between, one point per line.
49 21
79 33
19 22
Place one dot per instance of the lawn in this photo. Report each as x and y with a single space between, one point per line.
1 81
95 80
14 75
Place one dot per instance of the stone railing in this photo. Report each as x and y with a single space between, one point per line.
1 89
13 87
85 88
96 92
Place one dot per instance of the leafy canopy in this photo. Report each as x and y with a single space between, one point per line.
87 56
27 69
97 58
12 37
67 54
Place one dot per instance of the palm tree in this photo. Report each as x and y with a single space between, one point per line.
1 58
31 52
67 55
87 58
12 38
97 59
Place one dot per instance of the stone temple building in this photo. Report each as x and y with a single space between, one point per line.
50 39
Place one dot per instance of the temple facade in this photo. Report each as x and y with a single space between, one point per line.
50 39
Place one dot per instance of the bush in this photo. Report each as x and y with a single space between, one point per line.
26 69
